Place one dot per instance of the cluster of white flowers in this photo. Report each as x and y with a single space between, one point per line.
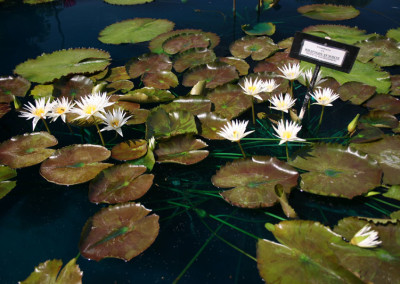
253 88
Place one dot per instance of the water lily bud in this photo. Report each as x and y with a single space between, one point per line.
99 87
353 124
17 103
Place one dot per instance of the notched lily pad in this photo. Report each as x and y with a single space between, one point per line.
183 42
379 118
258 47
6 185
27 150
381 50
121 231
259 29
160 80
139 116
75 164
129 150
120 86
254 181
149 62
120 183
328 12
192 58
148 95
211 124
13 86
355 92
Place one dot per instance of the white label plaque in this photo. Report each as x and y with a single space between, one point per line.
323 53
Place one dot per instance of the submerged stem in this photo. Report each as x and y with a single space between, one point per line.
241 149
320 118
45 124
252 112
287 152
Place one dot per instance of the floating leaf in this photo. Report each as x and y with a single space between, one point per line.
395 89
335 170
42 91
182 42
129 150
355 92
149 62
394 34
193 104
122 85
148 95
120 183
127 2
135 30
211 124
26 150
393 192
367 135
117 74
6 185
379 118
10 86
328 12
121 231
385 103
395 215
4 108
139 116
259 29
148 160
75 164
34 2
383 51
160 80
215 74
254 181
258 47
73 89
192 58
241 65
272 63
181 150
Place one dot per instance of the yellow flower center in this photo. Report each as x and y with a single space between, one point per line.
115 123
235 134
252 89
38 112
281 104
60 110
90 109
286 135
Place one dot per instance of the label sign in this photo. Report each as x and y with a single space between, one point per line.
324 52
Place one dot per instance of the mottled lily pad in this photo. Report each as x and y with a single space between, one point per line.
254 181
193 104
328 12
385 103
121 231
49 272
211 124
148 95
259 29
47 67
335 170
6 185
355 92
381 50
76 87
241 65
215 74
129 150
120 183
183 149
75 164
183 42
127 2
26 150
148 62
387 152
258 47
394 34
160 80
379 118
135 30
192 58
120 86
13 86
139 116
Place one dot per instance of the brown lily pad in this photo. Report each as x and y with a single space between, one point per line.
182 42
395 88
129 150
4 108
119 86
192 58
6 185
77 87
241 65
139 116
385 103
193 104
160 80
272 63
211 124
149 62
13 86
258 47
381 50
355 92
367 135
117 74
379 118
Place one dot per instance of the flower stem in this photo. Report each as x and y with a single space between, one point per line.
98 131
69 127
320 118
252 111
287 152
241 149
45 124
291 88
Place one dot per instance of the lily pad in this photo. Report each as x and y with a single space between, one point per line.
135 30
6 185
272 63
355 92
215 74
182 149
379 118
211 124
395 215
75 164
148 95
120 86
76 87
254 181
13 86
381 50
182 42
42 91
160 80
193 104
129 150
387 152
241 65
34 2
395 89
335 170
192 58
258 47
394 34
139 116
121 231
148 160
367 135
117 74
4 108
47 67
328 12
26 150
259 29
385 103
120 183
393 192
149 62
127 2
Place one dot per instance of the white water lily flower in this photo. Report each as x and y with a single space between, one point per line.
92 105
282 103
287 131
290 72
324 97
366 238
60 108
38 111
234 131
270 85
307 75
253 88
115 120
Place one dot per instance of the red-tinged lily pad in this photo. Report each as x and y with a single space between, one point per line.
387 152
385 103
272 63
117 74
254 181
193 104
241 65
183 42
395 89
215 74
6 185
139 116
211 124
229 101
192 58
258 47
148 95
328 12
13 86
4 108
383 51
182 149
49 272
75 164
129 150
379 118
355 92
149 62
76 87
121 231
161 124
160 80
367 135
120 183
259 29
26 150
335 170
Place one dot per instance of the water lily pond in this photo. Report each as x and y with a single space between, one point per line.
173 141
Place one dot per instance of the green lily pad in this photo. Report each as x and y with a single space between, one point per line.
387 152
47 67
49 272
121 231
135 30
385 103
379 118
183 149
6 185
120 86
182 42
148 95
26 150
395 215
286 43
13 86
193 104
192 58
160 80
395 89
148 160
34 2
127 2
215 74
4 108
229 101
211 124
149 62
335 170
254 181
328 12
394 34
100 75
75 164
258 47
42 91
259 29
120 183
129 150
355 92
117 74
367 135
241 65
272 63
383 51
75 88
161 124
393 192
